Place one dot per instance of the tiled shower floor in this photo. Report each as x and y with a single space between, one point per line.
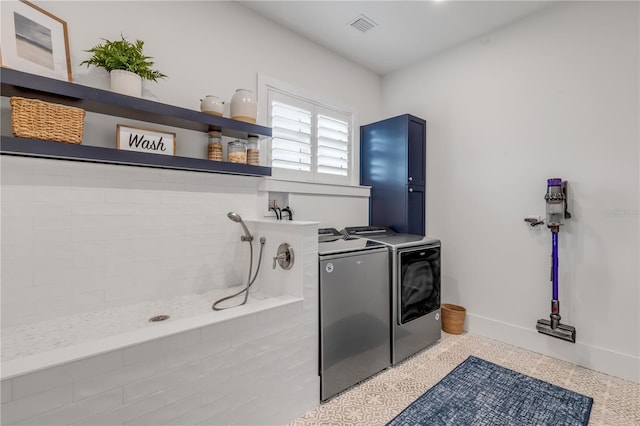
380 398
24 340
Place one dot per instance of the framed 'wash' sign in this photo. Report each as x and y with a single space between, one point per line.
145 140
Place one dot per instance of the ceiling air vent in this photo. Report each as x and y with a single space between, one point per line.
362 23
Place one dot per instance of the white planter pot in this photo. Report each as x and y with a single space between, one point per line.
126 83
244 106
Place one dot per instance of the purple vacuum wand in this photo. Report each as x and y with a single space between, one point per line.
555 303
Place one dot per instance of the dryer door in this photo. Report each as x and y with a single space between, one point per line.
418 282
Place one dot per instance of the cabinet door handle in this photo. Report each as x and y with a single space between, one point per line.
410 189
410 179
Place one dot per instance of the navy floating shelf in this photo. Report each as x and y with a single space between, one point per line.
17 83
10 145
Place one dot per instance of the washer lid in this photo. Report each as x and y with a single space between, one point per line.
329 234
346 246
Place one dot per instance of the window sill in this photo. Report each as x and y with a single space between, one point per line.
278 185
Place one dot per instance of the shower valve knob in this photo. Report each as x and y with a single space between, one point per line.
275 259
284 258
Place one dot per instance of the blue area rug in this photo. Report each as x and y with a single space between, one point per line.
479 393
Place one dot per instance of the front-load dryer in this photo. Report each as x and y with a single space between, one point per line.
415 288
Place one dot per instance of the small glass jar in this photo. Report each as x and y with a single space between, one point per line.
214 149
253 151
237 152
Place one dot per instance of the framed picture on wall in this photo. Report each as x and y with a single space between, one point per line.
35 41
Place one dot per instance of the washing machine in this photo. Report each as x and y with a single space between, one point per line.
354 310
415 288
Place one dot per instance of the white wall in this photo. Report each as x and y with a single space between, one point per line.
338 211
212 48
553 95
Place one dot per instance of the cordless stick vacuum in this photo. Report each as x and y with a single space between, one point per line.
556 198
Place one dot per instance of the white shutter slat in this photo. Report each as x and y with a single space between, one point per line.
333 134
300 137
288 145
325 151
333 162
292 125
334 123
280 109
286 161
331 143
291 157
333 171
291 166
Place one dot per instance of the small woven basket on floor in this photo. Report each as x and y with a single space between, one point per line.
35 119
452 318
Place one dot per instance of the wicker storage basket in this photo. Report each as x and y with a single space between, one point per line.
453 318
35 119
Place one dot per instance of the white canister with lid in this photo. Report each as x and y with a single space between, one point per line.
212 105
244 106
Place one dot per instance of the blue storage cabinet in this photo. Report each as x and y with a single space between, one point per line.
393 163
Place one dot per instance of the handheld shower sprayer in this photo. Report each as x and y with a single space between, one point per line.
236 218
250 280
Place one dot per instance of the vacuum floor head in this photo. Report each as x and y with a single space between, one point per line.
564 332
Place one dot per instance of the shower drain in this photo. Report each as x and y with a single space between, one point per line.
159 318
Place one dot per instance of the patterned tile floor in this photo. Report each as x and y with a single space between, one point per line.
381 397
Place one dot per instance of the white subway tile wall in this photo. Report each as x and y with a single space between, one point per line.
134 233
79 237
17 410
6 392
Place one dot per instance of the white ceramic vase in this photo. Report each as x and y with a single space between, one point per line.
212 105
244 106
126 83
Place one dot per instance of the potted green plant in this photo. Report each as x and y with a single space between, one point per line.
126 63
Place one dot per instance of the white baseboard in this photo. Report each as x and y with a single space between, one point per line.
607 361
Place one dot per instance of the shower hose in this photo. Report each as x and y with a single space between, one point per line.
250 280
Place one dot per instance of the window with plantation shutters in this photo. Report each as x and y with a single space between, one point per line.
310 141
